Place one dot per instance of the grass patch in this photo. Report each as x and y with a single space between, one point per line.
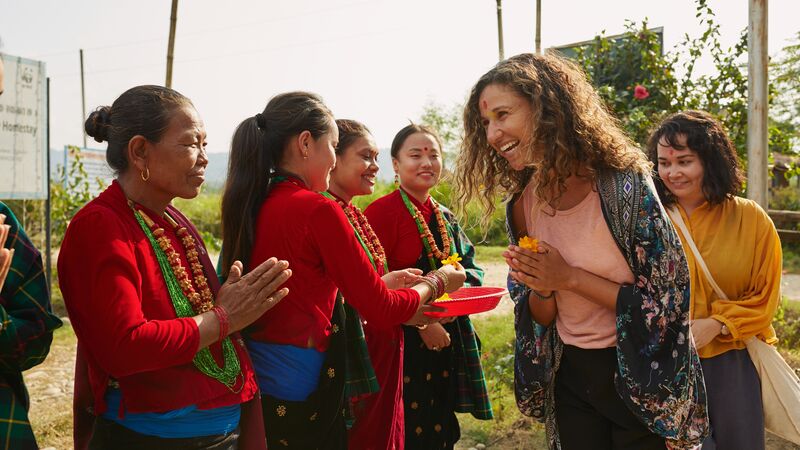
50 386
509 429
787 326
791 257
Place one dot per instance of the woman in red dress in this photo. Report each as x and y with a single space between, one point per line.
442 371
378 415
280 160
156 367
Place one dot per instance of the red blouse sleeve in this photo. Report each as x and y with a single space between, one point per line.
351 271
101 283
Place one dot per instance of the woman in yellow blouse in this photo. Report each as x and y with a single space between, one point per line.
699 168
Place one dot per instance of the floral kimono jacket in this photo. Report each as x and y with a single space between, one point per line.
658 375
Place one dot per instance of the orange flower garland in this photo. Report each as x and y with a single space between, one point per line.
367 234
425 231
364 233
203 301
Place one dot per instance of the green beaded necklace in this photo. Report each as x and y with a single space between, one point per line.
421 228
203 360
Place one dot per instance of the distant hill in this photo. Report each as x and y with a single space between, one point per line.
217 169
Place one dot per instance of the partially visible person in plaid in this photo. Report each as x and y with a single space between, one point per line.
26 328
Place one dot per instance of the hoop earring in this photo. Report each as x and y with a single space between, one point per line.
145 174
396 180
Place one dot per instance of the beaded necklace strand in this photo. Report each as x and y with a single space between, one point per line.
428 242
364 233
185 299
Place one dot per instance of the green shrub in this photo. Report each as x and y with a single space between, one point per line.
205 213
787 324
786 197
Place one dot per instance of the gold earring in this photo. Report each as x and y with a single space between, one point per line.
396 180
145 174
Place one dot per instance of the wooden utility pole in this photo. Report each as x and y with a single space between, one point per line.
83 101
538 27
173 20
757 104
500 29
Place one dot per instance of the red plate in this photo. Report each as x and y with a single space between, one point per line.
470 300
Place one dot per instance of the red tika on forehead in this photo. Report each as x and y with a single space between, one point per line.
484 105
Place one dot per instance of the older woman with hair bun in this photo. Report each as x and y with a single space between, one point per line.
159 364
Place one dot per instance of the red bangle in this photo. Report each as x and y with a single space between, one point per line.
438 283
222 317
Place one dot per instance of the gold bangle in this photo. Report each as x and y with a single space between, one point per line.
442 276
432 287
421 327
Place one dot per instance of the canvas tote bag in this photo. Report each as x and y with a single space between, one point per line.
780 387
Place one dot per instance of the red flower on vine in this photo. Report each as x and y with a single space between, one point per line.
640 92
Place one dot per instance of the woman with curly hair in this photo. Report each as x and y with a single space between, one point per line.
603 351
698 166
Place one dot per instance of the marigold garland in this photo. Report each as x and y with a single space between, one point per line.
428 241
365 234
185 299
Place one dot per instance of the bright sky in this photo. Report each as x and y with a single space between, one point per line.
377 61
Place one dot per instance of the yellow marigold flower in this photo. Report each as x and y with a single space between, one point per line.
452 260
444 298
529 243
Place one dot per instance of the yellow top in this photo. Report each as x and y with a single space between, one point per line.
741 248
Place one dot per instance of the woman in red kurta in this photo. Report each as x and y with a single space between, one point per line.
280 160
378 415
442 371
156 367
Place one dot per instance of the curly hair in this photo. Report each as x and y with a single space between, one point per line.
705 135
569 123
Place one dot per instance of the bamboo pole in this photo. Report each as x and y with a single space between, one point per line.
538 27
83 101
757 103
500 29
173 21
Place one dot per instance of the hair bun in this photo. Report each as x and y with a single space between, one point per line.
261 121
98 123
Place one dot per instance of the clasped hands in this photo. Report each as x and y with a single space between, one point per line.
543 271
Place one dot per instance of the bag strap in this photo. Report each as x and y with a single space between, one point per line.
675 215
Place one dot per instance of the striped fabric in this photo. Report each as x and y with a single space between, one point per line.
471 395
26 330
361 379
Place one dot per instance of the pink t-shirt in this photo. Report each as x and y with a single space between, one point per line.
582 237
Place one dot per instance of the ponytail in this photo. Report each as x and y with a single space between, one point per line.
257 149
